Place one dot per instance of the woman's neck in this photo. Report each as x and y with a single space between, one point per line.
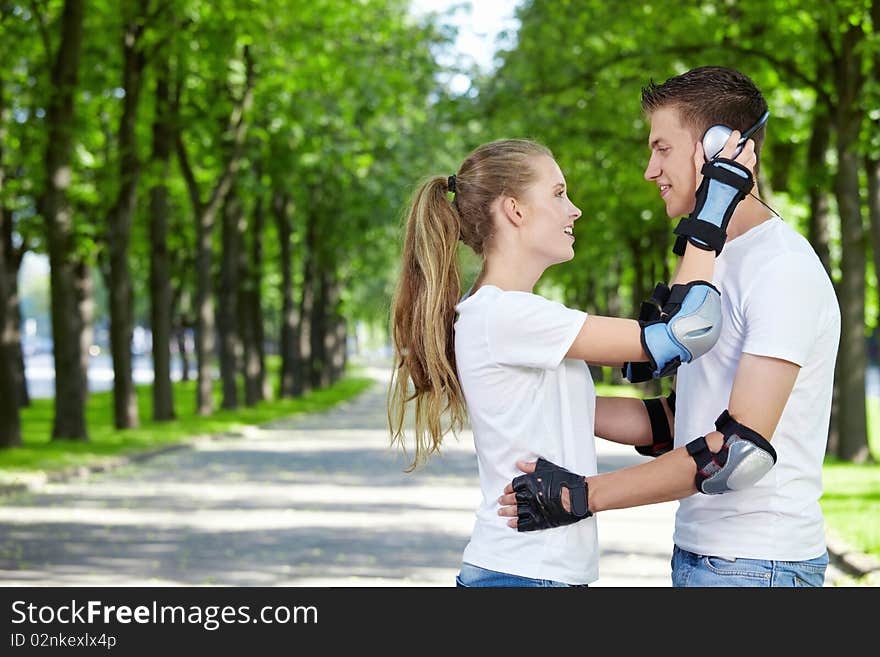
502 274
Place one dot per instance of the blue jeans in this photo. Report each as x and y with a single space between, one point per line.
474 576
689 569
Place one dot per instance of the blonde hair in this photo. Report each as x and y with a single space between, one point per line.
423 309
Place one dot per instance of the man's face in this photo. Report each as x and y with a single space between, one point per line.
671 165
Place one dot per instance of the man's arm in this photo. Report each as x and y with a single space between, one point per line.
760 391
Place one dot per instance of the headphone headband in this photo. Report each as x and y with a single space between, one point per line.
717 135
748 133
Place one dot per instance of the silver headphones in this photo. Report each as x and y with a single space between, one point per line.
717 135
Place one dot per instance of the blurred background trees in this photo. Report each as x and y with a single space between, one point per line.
230 176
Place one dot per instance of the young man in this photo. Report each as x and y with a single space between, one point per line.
768 378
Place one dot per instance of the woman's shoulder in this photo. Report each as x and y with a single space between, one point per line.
493 300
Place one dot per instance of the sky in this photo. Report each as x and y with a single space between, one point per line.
478 22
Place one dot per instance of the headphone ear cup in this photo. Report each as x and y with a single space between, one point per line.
714 140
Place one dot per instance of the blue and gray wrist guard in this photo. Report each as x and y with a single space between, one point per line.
725 184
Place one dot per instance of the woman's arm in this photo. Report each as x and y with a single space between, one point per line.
625 420
613 341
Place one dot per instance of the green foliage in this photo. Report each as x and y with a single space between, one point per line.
573 82
352 108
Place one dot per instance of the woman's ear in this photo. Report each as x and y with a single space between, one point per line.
511 210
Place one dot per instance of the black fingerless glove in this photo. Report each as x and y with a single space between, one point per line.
539 497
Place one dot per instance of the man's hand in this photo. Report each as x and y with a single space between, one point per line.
721 184
746 156
546 496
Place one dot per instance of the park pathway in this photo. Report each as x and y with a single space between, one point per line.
315 500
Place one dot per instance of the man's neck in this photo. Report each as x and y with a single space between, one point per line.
748 214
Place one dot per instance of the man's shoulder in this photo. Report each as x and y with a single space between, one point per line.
780 249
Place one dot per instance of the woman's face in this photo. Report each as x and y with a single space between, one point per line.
549 215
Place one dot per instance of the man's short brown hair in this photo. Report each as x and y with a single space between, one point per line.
707 96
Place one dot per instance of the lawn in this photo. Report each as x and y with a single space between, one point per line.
851 503
39 453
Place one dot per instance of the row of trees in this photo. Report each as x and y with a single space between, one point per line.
221 165
240 168
573 81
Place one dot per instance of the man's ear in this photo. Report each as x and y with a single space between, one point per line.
511 210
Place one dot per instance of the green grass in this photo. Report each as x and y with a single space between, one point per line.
851 503
873 405
851 498
39 453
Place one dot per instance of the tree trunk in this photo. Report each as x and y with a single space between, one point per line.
84 290
329 318
852 420
303 377
251 311
256 305
67 322
613 304
160 262
180 334
119 286
10 419
227 311
317 363
322 336
817 181
339 357
872 167
289 342
639 288
10 312
205 329
205 214
10 264
24 398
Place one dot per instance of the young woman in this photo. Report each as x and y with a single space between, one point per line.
514 362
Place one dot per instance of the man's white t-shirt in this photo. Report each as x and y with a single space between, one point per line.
777 301
526 400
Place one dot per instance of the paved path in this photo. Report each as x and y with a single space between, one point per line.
318 500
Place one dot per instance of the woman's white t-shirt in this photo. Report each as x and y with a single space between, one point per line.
526 400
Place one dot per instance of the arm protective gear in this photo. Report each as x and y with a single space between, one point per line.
539 497
662 436
725 184
743 460
689 327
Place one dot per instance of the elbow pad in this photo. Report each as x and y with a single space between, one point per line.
689 327
741 462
